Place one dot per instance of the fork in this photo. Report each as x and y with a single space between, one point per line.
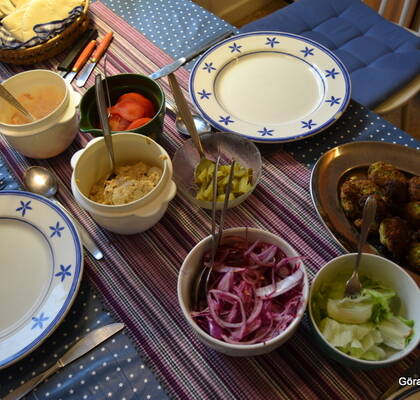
204 277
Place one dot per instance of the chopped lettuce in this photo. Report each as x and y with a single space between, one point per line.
365 327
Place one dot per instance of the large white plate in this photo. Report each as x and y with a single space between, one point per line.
270 86
40 271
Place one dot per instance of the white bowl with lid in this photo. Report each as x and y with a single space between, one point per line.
91 164
47 136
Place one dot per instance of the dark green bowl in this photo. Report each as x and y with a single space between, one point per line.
118 85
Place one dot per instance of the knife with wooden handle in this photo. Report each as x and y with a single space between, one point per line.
81 61
87 70
83 346
65 66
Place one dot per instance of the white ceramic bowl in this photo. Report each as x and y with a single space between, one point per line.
188 274
92 164
390 275
48 136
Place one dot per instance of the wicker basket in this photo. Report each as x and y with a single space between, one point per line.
50 48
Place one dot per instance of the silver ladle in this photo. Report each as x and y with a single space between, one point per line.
41 181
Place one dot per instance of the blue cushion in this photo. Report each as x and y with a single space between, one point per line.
380 56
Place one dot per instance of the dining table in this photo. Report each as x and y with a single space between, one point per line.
158 356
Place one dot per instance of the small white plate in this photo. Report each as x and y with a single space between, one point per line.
40 271
270 86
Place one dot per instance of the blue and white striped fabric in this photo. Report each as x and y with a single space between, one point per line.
44 32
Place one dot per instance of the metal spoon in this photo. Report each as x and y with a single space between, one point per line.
41 181
353 285
186 116
6 95
103 117
201 125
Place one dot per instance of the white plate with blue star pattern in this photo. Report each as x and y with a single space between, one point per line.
270 86
40 271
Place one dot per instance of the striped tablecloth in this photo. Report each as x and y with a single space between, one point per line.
138 276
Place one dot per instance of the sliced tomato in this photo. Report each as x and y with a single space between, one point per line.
128 109
149 107
139 122
118 123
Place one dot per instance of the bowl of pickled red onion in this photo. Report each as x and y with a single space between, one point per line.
257 293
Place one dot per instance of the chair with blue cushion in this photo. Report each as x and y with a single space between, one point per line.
383 58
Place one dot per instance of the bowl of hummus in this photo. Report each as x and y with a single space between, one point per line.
137 196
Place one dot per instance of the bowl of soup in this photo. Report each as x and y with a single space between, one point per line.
51 102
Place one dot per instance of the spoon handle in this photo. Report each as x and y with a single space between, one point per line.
14 102
103 118
87 241
185 113
369 212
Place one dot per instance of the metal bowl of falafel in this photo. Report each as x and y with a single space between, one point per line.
345 176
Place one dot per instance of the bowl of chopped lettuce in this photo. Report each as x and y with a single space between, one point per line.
196 184
257 293
374 329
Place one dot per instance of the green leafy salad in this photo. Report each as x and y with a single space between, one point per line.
366 327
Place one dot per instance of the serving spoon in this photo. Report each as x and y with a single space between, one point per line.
353 285
6 95
103 118
41 181
186 116
201 125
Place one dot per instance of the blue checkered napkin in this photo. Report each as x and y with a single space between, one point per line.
44 32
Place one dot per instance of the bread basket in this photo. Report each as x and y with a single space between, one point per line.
50 48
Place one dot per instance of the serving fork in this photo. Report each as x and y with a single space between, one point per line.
202 282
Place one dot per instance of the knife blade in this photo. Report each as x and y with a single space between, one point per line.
172 67
83 346
87 70
81 61
65 66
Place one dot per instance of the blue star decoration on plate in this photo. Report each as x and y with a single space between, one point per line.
24 207
307 52
56 230
333 100
331 73
308 124
39 322
226 120
266 132
272 41
204 95
64 271
235 47
209 67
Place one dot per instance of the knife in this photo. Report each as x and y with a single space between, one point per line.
83 346
87 70
168 69
81 61
65 66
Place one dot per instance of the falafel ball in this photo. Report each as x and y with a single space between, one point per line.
373 228
396 193
381 173
412 213
353 195
413 256
414 188
394 235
